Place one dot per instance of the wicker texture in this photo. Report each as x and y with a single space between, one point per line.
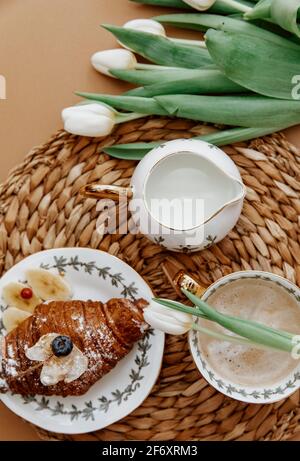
40 209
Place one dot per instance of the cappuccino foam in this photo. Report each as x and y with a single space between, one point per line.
261 301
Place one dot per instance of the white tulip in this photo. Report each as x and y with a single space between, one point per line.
153 27
146 25
96 108
167 320
119 58
89 120
200 5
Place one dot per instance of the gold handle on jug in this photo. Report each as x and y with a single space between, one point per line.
106 192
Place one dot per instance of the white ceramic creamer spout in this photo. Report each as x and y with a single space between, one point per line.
206 175
229 191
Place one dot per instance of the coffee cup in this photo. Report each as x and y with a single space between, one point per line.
247 373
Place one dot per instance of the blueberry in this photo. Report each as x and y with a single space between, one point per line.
62 346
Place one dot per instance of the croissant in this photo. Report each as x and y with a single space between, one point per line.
104 333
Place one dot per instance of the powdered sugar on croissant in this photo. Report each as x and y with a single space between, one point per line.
90 339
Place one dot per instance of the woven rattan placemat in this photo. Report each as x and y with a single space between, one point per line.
41 208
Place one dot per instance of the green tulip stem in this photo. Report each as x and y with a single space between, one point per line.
142 66
228 338
127 117
183 41
238 6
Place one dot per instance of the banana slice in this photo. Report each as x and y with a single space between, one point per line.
48 285
12 295
12 317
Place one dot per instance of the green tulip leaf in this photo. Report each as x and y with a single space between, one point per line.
161 50
203 22
255 63
284 13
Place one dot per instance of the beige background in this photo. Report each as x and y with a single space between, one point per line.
44 55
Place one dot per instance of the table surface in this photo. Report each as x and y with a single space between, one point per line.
45 48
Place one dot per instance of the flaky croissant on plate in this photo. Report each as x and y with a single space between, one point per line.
66 346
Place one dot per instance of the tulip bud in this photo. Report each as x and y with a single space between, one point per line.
89 120
146 25
102 61
200 5
167 320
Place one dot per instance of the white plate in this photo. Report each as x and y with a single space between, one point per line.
93 275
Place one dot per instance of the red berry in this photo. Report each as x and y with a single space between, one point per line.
26 293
